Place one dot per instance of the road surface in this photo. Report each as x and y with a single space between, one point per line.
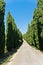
27 55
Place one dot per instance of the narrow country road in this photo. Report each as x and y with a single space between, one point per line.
27 55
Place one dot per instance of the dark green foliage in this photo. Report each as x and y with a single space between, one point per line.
14 36
2 27
34 35
40 23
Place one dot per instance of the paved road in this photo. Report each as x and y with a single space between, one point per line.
27 55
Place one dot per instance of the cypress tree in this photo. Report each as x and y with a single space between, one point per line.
14 36
2 27
40 10
9 32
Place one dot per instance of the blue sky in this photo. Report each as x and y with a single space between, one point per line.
22 11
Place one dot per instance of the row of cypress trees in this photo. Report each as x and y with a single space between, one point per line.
13 35
34 34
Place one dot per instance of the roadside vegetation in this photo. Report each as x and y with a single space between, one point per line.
12 39
34 34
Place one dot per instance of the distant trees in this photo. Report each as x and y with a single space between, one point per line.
14 36
34 35
2 27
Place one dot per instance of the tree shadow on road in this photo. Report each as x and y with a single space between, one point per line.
6 56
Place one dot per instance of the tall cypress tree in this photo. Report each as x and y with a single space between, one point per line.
40 19
14 36
9 32
2 27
